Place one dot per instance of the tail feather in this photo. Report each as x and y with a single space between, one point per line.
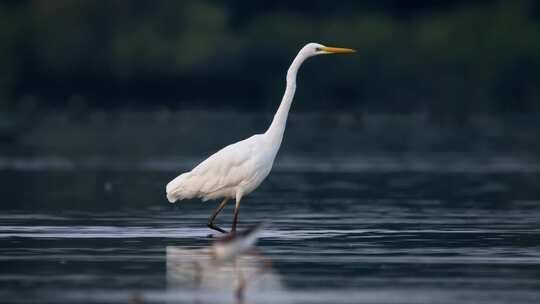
171 197
175 189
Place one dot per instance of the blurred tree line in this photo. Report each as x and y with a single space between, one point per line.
451 58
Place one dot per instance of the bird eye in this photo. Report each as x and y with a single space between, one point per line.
317 49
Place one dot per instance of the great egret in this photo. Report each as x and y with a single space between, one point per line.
239 168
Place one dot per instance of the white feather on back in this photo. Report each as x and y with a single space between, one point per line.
236 167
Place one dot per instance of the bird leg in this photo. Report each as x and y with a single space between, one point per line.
214 215
235 218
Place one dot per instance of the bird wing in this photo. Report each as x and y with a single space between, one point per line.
228 167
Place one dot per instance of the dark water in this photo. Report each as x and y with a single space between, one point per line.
417 235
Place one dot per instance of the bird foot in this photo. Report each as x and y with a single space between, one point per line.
212 226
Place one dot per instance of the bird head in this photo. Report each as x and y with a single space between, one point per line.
313 49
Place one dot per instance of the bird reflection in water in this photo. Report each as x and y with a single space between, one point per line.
230 264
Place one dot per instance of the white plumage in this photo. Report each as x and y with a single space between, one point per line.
231 172
240 168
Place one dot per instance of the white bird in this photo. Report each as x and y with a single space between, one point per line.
233 245
240 168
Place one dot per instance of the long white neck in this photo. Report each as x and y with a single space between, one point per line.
277 127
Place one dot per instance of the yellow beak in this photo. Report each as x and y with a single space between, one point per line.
336 50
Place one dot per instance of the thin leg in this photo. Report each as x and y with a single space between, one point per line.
214 215
235 218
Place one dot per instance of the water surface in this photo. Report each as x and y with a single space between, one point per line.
103 235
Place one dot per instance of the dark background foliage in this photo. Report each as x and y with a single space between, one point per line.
446 58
